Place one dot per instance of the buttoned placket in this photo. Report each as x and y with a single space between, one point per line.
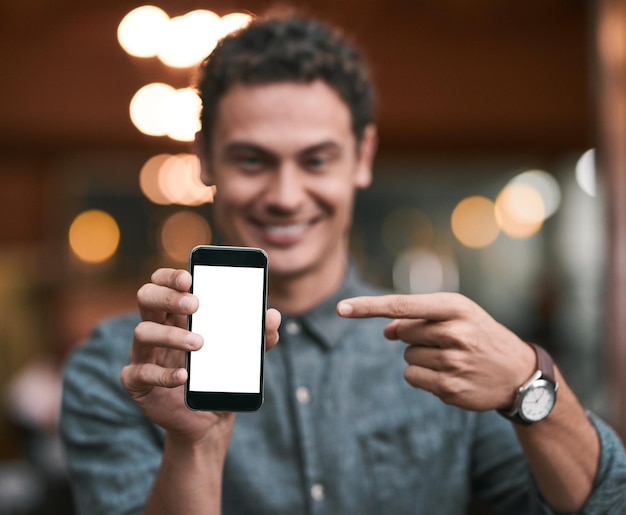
303 362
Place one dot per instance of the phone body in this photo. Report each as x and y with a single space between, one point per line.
226 374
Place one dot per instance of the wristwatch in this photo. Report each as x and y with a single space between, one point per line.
535 399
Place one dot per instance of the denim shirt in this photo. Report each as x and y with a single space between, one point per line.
340 432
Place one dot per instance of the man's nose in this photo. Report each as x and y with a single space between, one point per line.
286 189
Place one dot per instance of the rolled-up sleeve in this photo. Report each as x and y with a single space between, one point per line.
113 451
609 492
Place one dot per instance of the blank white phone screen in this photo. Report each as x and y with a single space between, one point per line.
230 320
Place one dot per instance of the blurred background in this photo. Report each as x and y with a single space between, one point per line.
500 175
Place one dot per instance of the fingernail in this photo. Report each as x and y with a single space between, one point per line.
345 309
193 340
186 303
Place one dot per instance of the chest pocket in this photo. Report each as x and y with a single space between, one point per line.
415 466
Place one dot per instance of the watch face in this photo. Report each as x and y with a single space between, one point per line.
537 402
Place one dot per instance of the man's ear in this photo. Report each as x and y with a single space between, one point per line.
202 151
366 154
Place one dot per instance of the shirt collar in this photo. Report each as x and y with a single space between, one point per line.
323 322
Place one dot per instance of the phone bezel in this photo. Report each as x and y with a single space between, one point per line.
217 255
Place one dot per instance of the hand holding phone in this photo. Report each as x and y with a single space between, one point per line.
226 374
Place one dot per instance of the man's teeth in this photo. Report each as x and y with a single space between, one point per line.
285 230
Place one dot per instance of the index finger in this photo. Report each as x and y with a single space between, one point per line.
166 294
431 306
176 279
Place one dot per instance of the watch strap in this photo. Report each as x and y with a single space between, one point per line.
545 365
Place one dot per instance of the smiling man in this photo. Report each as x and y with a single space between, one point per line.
287 163
350 424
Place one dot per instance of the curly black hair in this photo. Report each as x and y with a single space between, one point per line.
287 47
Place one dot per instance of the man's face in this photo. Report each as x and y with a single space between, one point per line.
286 165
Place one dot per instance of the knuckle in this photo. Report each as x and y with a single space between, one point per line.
179 279
464 307
447 363
451 361
410 375
143 374
140 332
169 302
400 306
165 379
157 274
409 354
450 388
124 375
454 335
143 292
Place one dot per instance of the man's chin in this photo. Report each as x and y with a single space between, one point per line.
283 268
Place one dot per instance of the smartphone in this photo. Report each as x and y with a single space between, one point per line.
226 374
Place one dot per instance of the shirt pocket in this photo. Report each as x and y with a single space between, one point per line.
414 466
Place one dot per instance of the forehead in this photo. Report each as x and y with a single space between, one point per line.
282 114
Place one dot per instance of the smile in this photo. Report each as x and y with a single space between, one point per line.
284 235
286 230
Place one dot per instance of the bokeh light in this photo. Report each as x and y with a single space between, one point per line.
147 108
174 179
182 114
423 270
519 210
94 236
140 33
546 185
190 38
182 231
232 22
158 109
179 42
149 179
586 172
474 223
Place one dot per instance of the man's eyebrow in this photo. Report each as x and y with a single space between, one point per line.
241 146
237 146
321 147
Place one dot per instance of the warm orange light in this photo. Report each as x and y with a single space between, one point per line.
158 109
473 222
94 236
232 22
148 108
519 210
149 179
546 185
181 232
140 33
190 38
182 114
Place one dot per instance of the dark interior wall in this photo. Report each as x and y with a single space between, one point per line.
451 74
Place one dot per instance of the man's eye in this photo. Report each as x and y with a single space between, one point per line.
250 162
315 162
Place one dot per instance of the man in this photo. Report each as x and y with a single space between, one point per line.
348 425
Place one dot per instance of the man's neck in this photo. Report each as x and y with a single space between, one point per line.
295 295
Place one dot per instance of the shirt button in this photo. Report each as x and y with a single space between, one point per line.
317 492
303 395
292 327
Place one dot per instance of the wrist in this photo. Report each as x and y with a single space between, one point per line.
190 476
535 399
211 442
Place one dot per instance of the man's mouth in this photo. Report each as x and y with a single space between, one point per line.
288 234
286 230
